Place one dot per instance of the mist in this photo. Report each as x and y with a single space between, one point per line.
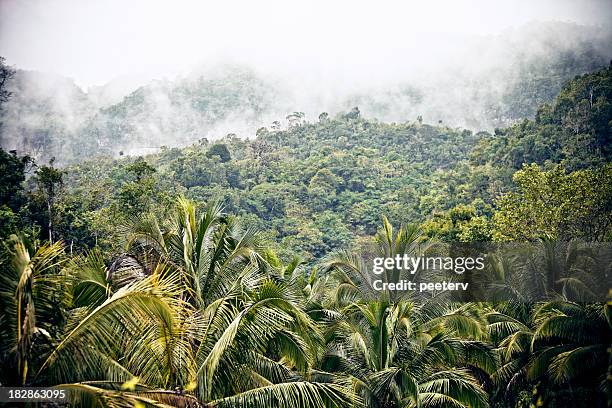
96 42
130 65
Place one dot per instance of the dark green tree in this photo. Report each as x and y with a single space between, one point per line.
6 73
13 199
49 181
221 151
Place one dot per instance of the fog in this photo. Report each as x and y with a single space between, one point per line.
95 42
450 61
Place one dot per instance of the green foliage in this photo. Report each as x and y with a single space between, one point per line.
12 196
6 73
463 223
136 194
219 150
50 116
555 205
147 290
299 181
574 129
348 172
31 307
49 180
200 304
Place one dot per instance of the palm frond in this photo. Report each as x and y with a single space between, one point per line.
294 394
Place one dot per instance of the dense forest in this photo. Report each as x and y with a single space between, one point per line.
231 272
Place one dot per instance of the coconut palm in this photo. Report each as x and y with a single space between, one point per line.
209 322
511 330
571 342
403 351
198 312
554 342
29 304
544 270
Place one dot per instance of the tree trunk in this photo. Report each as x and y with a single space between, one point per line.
50 222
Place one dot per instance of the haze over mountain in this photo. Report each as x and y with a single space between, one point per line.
482 82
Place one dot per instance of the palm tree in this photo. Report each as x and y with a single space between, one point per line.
210 323
511 330
539 332
199 312
401 351
571 342
29 304
547 269
557 345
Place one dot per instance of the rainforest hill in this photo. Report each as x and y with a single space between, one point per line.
315 187
500 81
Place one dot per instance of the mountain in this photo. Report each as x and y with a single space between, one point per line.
318 186
177 113
45 113
50 116
491 82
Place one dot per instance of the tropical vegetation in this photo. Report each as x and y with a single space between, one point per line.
235 272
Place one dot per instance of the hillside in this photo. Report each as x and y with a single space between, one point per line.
319 186
499 82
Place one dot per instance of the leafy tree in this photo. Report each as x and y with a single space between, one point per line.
140 169
295 118
6 73
553 204
158 300
12 196
49 180
462 223
221 151
353 114
30 306
574 129
138 193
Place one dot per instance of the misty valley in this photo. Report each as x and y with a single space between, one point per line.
221 238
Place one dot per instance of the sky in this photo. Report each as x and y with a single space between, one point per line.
94 42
